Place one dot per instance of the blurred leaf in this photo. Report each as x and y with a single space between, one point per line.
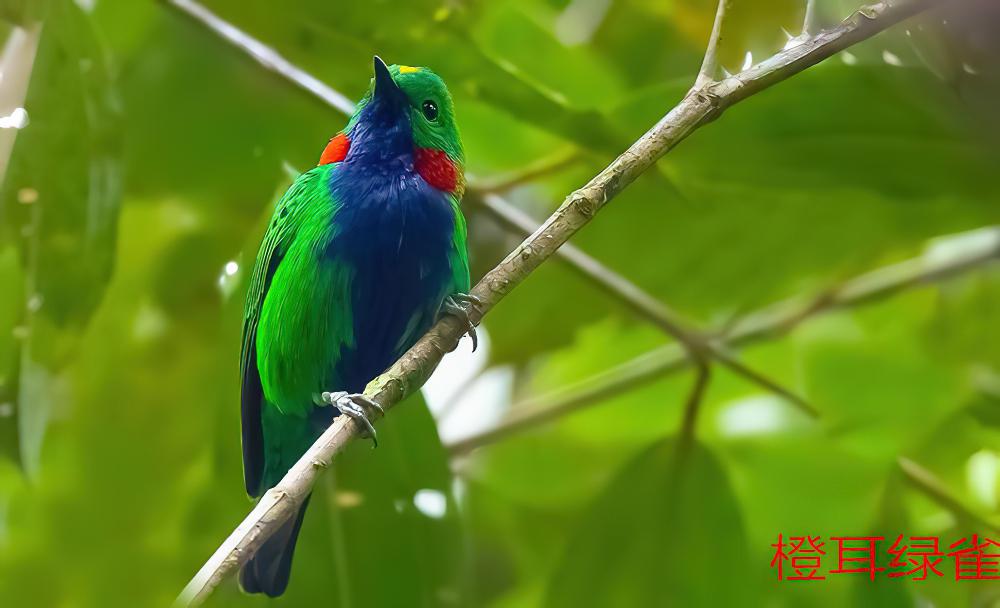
64 183
676 548
525 45
393 518
965 319
889 522
22 12
60 199
246 120
11 313
39 393
986 410
515 546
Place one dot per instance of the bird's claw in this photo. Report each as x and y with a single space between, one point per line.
353 405
467 298
458 304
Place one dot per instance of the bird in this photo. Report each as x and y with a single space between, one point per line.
363 253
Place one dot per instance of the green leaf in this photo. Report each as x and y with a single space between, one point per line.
650 539
890 521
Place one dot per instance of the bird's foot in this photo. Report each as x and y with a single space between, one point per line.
458 304
353 405
468 299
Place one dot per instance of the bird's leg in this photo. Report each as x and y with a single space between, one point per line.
458 304
353 405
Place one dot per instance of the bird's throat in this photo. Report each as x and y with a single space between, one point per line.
438 170
433 165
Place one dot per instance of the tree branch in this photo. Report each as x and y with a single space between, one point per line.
643 304
967 251
710 63
929 484
698 107
545 166
264 55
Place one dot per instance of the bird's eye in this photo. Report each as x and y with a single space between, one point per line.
430 110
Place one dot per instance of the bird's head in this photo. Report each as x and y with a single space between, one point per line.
406 117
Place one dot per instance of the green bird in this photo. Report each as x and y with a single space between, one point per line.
361 256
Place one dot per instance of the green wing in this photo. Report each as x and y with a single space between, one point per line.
285 223
459 256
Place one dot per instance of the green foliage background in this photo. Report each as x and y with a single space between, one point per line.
151 159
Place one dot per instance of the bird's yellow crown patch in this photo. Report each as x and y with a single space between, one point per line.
408 69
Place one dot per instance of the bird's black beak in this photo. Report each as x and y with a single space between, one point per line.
385 87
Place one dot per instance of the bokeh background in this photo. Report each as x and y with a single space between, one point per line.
140 155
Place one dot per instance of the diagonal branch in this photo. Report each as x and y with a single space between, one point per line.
699 106
264 55
967 251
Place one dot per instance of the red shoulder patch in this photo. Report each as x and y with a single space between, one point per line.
336 150
437 169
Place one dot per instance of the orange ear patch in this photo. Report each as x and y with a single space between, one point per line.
336 150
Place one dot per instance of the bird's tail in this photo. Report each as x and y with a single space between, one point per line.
268 570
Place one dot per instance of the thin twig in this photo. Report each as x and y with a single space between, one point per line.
698 107
929 484
686 437
967 251
613 382
642 303
17 60
710 63
532 172
692 405
809 20
264 55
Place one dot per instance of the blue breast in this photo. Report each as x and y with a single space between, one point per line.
395 232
